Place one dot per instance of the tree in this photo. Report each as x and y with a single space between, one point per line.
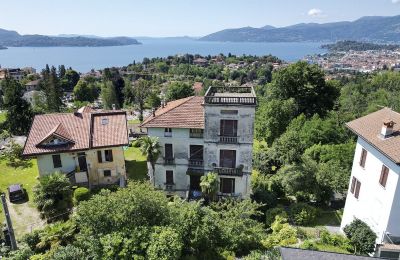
306 85
272 118
69 80
13 154
84 91
53 196
154 100
141 90
179 90
209 185
112 74
150 147
165 244
19 112
108 95
361 236
52 88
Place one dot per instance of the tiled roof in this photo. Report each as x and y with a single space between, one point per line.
288 253
369 128
84 130
182 113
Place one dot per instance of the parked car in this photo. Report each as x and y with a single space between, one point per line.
16 193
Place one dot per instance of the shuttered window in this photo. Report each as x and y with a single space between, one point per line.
358 187
169 177
355 187
108 155
384 175
363 157
99 158
227 185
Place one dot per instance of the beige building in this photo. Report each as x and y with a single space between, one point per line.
86 145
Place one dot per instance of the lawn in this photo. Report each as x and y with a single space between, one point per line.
328 218
136 165
26 176
134 121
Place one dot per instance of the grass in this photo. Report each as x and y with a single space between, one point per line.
328 218
26 176
2 116
133 121
136 165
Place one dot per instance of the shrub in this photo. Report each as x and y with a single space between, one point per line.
136 144
165 244
282 234
361 236
271 214
81 194
302 213
309 245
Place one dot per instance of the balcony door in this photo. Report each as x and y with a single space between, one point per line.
227 158
227 185
169 154
228 128
196 152
82 162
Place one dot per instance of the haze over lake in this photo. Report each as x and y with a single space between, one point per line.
84 59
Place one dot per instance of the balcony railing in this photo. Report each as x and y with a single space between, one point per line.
229 171
169 161
228 139
230 100
230 95
169 186
196 135
196 163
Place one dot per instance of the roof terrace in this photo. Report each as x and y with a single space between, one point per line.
230 96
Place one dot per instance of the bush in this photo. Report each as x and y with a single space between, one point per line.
81 194
136 144
361 236
335 240
302 213
165 244
271 214
309 245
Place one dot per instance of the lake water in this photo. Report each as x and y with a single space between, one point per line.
84 59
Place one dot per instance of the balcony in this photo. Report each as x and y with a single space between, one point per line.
229 171
196 163
230 96
169 161
228 139
169 186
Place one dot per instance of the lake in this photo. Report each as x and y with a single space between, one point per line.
84 59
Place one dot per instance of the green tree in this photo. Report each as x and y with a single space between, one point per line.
165 244
361 236
84 91
53 196
108 95
19 112
209 185
306 85
150 147
52 88
154 100
69 80
177 90
141 90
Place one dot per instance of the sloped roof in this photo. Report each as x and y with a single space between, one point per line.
81 129
288 253
182 113
369 128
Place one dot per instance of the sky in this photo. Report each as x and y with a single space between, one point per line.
160 18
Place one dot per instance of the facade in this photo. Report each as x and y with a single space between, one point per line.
374 189
16 74
199 135
86 145
32 85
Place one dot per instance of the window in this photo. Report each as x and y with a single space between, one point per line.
169 177
227 185
57 161
355 187
169 151
384 175
107 173
196 133
228 128
168 132
99 157
227 158
363 157
108 156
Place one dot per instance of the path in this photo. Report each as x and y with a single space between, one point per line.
25 218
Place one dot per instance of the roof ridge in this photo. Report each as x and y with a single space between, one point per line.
157 116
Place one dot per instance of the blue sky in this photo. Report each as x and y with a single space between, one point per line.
177 17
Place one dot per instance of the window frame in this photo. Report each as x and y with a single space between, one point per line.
221 185
384 176
169 177
363 158
108 155
355 187
108 175
57 163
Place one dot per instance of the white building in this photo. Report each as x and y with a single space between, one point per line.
374 189
205 134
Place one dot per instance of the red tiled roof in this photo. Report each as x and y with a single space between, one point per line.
182 113
369 128
81 129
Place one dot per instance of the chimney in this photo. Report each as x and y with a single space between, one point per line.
113 106
387 128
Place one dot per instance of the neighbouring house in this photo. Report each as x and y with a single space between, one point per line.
16 74
34 96
86 145
197 88
200 62
206 134
374 188
32 85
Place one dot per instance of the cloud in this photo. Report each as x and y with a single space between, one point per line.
395 1
318 12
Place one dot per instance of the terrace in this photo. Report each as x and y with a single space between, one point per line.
230 96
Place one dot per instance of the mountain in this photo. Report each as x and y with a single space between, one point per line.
371 28
268 27
14 39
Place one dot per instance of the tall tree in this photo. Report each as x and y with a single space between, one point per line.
178 90
52 88
109 96
118 82
141 91
19 112
150 147
84 91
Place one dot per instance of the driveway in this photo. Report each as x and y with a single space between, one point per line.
25 218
